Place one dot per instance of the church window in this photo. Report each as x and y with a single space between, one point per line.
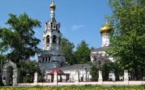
59 40
47 39
51 25
46 59
43 59
54 39
54 27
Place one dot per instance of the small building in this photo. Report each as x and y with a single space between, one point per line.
67 73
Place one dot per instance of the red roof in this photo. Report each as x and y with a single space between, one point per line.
59 71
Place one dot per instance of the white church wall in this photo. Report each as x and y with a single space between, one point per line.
83 75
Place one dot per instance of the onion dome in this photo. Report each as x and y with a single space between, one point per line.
52 6
106 28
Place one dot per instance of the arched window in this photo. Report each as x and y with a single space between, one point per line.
54 39
47 39
59 40
43 59
49 58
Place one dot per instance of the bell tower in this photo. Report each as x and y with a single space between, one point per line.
52 34
51 56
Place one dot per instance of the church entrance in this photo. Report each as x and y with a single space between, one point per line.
9 74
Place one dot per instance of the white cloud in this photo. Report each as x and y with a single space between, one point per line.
77 27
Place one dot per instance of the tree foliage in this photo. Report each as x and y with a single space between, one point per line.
94 72
67 49
80 56
82 53
27 70
19 38
2 61
127 41
102 64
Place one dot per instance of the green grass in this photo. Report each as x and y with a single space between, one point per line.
73 87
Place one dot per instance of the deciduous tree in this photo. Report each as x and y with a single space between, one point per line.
18 39
128 40
67 49
27 70
82 53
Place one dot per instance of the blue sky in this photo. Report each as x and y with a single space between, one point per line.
80 19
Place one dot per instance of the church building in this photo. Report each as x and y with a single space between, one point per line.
100 52
51 58
97 55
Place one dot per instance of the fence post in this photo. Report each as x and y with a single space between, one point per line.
100 79
55 78
35 78
126 78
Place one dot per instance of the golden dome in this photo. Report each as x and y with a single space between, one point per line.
106 28
52 5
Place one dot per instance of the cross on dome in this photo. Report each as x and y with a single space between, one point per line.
52 5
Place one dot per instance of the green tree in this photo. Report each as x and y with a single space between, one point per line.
127 41
115 67
2 56
19 38
106 69
67 49
104 65
2 61
82 53
27 70
94 72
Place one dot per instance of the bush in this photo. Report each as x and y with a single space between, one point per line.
26 79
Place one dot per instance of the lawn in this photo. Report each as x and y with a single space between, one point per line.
86 87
